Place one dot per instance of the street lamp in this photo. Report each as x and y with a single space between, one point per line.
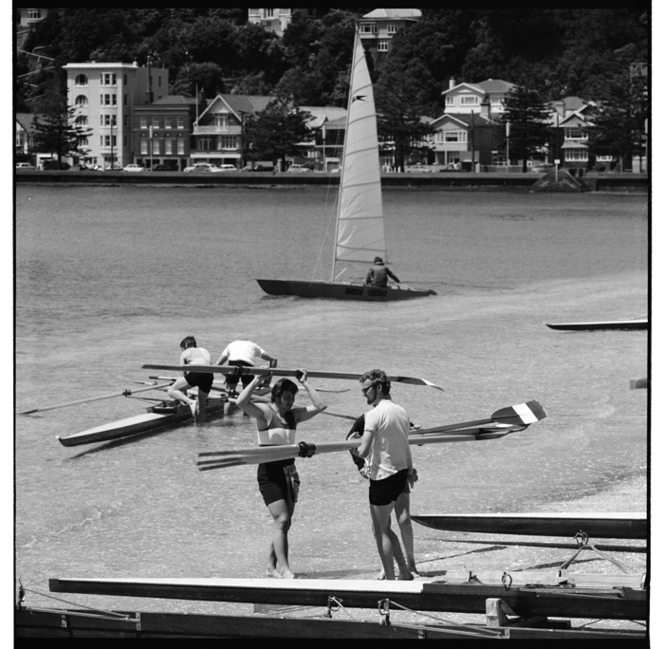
507 139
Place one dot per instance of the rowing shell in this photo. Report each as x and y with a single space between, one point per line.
154 419
604 526
530 601
275 371
638 323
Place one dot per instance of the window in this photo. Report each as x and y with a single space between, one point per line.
168 146
254 12
81 80
124 79
579 155
108 79
108 120
269 13
168 122
155 122
575 133
449 101
108 100
81 100
205 143
469 100
180 122
392 28
34 14
83 141
181 146
221 121
124 98
454 136
144 122
383 46
144 146
81 120
156 147
368 28
227 142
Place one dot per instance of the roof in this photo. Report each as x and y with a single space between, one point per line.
394 14
26 120
324 115
175 100
247 103
463 119
491 86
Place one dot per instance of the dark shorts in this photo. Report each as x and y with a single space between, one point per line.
232 381
272 481
201 380
386 491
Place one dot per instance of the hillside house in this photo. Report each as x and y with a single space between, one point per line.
378 27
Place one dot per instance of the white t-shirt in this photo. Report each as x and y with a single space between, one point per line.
390 451
243 350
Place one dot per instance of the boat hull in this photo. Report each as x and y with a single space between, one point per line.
143 423
640 323
604 526
123 625
339 290
625 603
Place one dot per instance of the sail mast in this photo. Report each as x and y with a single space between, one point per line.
359 229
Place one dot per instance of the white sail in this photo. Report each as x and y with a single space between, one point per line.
360 232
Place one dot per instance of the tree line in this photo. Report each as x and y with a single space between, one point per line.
550 53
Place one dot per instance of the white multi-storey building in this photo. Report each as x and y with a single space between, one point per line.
104 95
274 19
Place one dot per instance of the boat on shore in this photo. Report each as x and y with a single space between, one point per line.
359 234
515 606
603 526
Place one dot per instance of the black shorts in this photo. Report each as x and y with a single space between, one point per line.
201 380
232 381
386 491
272 481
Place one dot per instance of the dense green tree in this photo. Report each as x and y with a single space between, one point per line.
399 103
621 124
273 133
55 130
528 116
202 77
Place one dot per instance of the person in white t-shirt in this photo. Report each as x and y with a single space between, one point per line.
243 353
390 464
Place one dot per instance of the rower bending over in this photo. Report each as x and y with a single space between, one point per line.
193 355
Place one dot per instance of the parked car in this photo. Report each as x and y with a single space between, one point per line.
542 168
89 167
298 169
201 166
133 168
51 165
226 168
258 166
162 167
418 168
115 166
451 166
24 165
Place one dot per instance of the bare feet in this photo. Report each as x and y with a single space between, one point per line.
274 572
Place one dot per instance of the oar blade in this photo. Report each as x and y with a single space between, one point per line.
521 414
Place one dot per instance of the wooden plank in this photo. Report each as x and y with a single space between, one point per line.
417 595
606 526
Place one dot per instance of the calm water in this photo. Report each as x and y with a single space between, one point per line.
110 278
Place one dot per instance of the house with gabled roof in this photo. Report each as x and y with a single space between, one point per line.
462 140
467 98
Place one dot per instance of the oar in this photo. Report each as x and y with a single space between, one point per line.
277 371
261 455
522 414
124 393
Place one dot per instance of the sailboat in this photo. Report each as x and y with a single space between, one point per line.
359 229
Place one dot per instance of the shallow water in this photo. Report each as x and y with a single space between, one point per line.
109 278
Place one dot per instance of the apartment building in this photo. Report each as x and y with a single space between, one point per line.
105 95
378 27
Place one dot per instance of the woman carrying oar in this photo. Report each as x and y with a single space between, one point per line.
278 481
